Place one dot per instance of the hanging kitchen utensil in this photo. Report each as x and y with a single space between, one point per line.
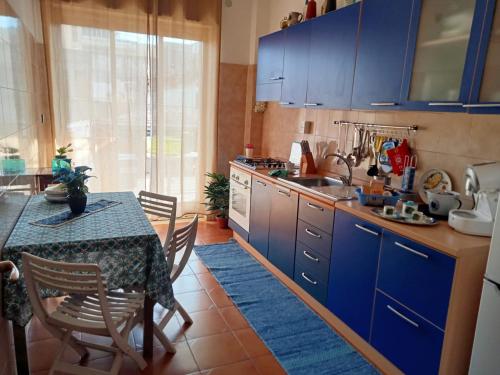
383 158
397 157
344 151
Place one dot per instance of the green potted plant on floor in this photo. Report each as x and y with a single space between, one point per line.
217 195
75 184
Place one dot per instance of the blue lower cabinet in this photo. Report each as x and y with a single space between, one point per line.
310 282
407 340
313 261
417 276
353 271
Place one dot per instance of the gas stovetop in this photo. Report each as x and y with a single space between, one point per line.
260 163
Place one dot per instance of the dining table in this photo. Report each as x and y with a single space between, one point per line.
116 234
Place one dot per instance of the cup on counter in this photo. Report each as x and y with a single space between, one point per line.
442 202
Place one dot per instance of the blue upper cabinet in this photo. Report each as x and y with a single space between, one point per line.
270 66
381 54
443 45
485 95
296 65
353 271
332 57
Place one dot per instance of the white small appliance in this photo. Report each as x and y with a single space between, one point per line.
482 182
485 359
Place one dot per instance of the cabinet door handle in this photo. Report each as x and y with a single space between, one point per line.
413 251
286 103
285 193
312 257
445 104
311 233
278 78
260 183
383 104
366 230
308 279
406 319
312 104
315 207
491 105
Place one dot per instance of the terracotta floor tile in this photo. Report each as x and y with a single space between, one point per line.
252 343
240 368
220 297
217 350
195 301
173 330
197 266
186 283
206 323
233 317
207 281
268 365
182 362
41 354
36 331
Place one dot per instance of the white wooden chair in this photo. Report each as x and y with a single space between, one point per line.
182 240
89 308
160 205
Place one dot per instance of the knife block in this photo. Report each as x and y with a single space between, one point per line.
307 164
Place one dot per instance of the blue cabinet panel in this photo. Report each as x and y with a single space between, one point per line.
417 276
332 58
270 66
314 238
318 215
310 283
260 210
410 342
283 229
315 264
381 54
353 271
296 65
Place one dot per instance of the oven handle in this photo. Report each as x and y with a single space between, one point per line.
240 184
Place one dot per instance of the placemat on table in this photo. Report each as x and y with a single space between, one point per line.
68 217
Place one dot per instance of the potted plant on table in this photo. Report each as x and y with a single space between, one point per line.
77 190
61 160
217 194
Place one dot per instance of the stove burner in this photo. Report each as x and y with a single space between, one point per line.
260 163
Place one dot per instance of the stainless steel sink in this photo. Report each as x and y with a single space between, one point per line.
328 187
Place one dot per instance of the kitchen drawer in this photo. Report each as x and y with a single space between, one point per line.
314 238
410 342
417 276
315 287
318 215
316 265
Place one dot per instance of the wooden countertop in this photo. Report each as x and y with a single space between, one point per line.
440 237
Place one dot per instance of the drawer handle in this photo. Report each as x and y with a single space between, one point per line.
276 78
491 105
285 193
260 183
366 229
315 207
308 279
445 104
383 104
422 255
312 104
286 103
308 255
406 319
311 233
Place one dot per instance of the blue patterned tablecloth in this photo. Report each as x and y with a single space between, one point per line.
120 239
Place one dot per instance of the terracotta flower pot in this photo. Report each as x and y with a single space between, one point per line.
77 204
222 222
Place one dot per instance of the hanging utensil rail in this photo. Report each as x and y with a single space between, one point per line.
408 128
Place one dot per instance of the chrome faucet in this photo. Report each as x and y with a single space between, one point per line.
345 180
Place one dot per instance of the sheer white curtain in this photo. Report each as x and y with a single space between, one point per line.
134 91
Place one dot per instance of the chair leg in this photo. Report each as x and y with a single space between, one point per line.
167 318
65 342
183 313
167 345
117 364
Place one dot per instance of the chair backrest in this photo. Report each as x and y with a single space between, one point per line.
160 205
182 239
69 278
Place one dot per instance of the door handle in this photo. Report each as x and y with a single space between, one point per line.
276 78
446 104
312 257
260 183
286 103
284 193
413 251
311 233
309 280
491 105
405 318
383 104
366 230
312 104
315 207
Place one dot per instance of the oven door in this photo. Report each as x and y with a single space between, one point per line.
239 204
